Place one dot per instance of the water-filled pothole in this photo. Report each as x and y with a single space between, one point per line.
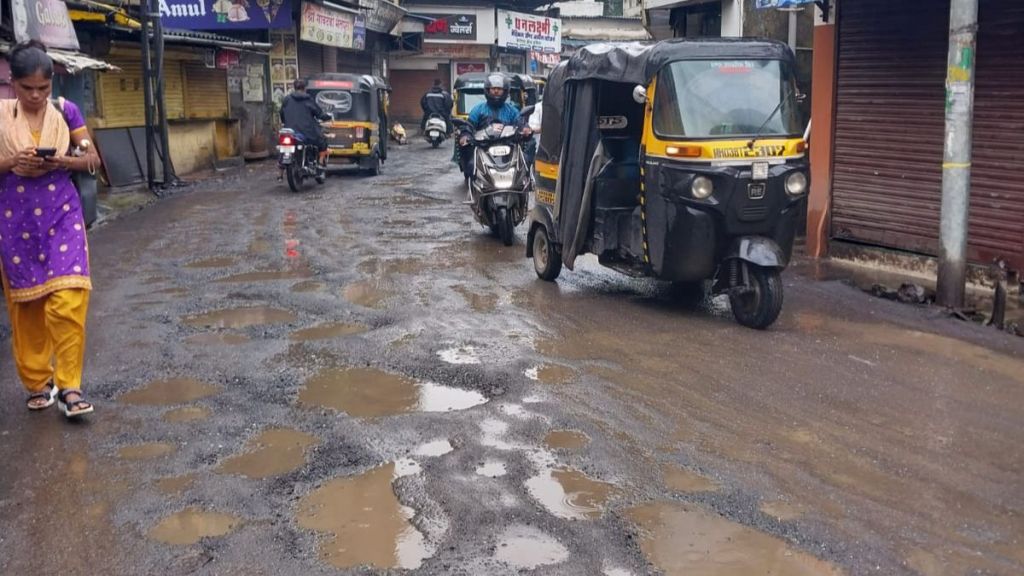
169 392
526 548
366 294
327 331
566 440
551 374
192 525
218 262
569 493
217 339
146 451
369 393
186 414
682 480
269 275
241 317
272 453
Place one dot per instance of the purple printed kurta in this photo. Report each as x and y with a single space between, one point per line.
43 245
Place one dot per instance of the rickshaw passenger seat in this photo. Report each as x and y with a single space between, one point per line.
618 184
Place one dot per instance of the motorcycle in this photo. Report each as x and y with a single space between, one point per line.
435 130
298 160
500 181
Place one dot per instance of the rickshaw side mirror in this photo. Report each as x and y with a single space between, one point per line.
640 94
801 97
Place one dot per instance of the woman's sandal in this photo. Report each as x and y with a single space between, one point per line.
75 408
48 397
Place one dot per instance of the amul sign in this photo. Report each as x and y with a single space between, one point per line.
46 21
529 32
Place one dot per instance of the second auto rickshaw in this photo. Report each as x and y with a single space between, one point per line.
680 160
357 131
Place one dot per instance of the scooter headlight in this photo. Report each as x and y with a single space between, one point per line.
503 179
796 184
702 187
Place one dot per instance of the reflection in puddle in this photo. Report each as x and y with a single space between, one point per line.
366 294
682 480
461 355
309 286
146 451
686 540
272 453
192 525
217 339
327 331
478 302
550 374
241 317
221 262
175 484
168 392
526 548
187 414
364 522
569 493
377 267
435 448
369 393
492 469
566 440
269 275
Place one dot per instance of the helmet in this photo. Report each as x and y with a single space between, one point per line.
496 81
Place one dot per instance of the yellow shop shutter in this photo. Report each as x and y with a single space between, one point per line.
121 94
206 91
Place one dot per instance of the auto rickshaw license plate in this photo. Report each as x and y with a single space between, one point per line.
756 191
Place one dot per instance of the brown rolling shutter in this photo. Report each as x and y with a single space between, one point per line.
890 116
206 92
997 187
890 93
311 59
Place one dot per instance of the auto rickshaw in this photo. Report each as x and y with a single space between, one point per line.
523 91
680 160
357 131
469 91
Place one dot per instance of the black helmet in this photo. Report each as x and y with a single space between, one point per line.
496 80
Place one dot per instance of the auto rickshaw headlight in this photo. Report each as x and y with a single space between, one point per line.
796 184
702 187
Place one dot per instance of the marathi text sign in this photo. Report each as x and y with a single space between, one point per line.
451 27
782 3
382 16
225 14
328 27
529 32
46 21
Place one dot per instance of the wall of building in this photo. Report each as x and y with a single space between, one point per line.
193 145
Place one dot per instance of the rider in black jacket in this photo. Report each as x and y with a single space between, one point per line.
300 112
437 101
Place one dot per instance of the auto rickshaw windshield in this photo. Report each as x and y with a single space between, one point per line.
725 99
344 105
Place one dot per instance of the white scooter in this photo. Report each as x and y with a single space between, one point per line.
435 131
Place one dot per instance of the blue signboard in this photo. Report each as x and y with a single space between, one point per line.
226 14
782 3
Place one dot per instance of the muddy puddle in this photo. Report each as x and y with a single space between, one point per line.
217 339
368 294
192 525
687 540
259 246
485 302
241 317
566 440
219 262
682 480
377 267
550 374
370 393
186 414
272 453
363 523
526 548
308 286
147 451
570 494
268 275
169 392
175 484
327 331
492 469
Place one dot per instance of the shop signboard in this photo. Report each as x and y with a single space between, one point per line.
763 4
468 67
226 14
46 21
451 27
529 32
381 16
456 51
323 25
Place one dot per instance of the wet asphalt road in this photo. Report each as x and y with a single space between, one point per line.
358 379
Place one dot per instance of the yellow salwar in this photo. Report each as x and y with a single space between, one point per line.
48 328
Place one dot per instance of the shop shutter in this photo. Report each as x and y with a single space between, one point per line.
311 59
408 86
997 187
890 95
121 93
890 118
206 91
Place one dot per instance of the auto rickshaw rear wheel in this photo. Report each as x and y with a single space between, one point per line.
547 262
758 304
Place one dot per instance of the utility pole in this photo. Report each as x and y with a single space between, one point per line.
169 177
956 160
147 94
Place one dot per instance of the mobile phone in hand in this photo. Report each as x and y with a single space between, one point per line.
46 152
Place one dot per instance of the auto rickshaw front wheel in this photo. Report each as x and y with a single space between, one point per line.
547 262
758 304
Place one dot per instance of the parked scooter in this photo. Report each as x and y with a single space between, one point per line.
499 179
298 160
435 130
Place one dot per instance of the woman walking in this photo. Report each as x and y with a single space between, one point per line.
43 251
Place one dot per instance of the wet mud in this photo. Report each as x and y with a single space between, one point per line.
241 317
268 275
169 392
551 374
175 484
308 286
217 339
147 451
186 414
272 453
566 440
682 480
216 262
367 294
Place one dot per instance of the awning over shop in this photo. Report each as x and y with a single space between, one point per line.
579 31
73 62
192 38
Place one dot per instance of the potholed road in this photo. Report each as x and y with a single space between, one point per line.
357 378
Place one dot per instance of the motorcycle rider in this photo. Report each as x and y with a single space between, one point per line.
496 108
301 113
438 101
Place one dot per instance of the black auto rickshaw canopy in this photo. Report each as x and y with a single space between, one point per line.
355 102
596 84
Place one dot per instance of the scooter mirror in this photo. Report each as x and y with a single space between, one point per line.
639 94
527 111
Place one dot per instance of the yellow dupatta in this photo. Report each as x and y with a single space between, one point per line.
16 134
